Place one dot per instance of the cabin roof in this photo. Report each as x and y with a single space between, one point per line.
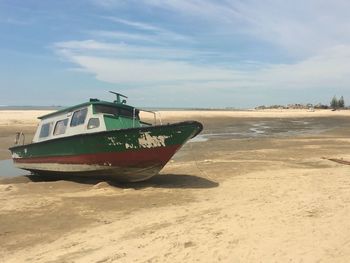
85 104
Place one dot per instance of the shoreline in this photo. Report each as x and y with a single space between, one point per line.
29 117
12 121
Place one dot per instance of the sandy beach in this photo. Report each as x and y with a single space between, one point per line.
256 187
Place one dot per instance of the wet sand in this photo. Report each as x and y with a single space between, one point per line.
257 192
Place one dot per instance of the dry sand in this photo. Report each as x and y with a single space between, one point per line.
268 199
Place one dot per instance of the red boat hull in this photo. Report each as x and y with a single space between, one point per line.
119 165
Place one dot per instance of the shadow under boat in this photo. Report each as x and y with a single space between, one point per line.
171 181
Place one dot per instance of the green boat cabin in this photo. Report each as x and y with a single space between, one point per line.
89 117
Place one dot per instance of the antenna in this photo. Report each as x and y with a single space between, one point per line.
118 95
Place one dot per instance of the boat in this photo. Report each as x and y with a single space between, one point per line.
102 139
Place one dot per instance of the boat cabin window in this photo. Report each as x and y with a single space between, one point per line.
93 123
60 127
116 111
79 117
45 130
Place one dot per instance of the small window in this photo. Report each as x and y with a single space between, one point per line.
60 127
78 117
93 123
45 130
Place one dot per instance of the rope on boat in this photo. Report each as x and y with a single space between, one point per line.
201 171
341 161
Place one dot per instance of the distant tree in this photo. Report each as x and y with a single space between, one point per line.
341 102
334 103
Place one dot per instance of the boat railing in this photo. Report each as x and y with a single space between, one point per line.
156 116
20 137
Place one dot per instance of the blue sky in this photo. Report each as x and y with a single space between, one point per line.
172 53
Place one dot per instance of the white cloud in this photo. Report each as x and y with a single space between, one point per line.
301 27
123 36
16 22
137 25
315 34
121 50
150 71
329 68
158 34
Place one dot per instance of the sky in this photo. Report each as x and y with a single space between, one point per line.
174 53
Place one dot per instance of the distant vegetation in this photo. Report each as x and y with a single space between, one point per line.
334 104
338 104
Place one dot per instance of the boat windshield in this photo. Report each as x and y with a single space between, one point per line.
117 111
79 117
